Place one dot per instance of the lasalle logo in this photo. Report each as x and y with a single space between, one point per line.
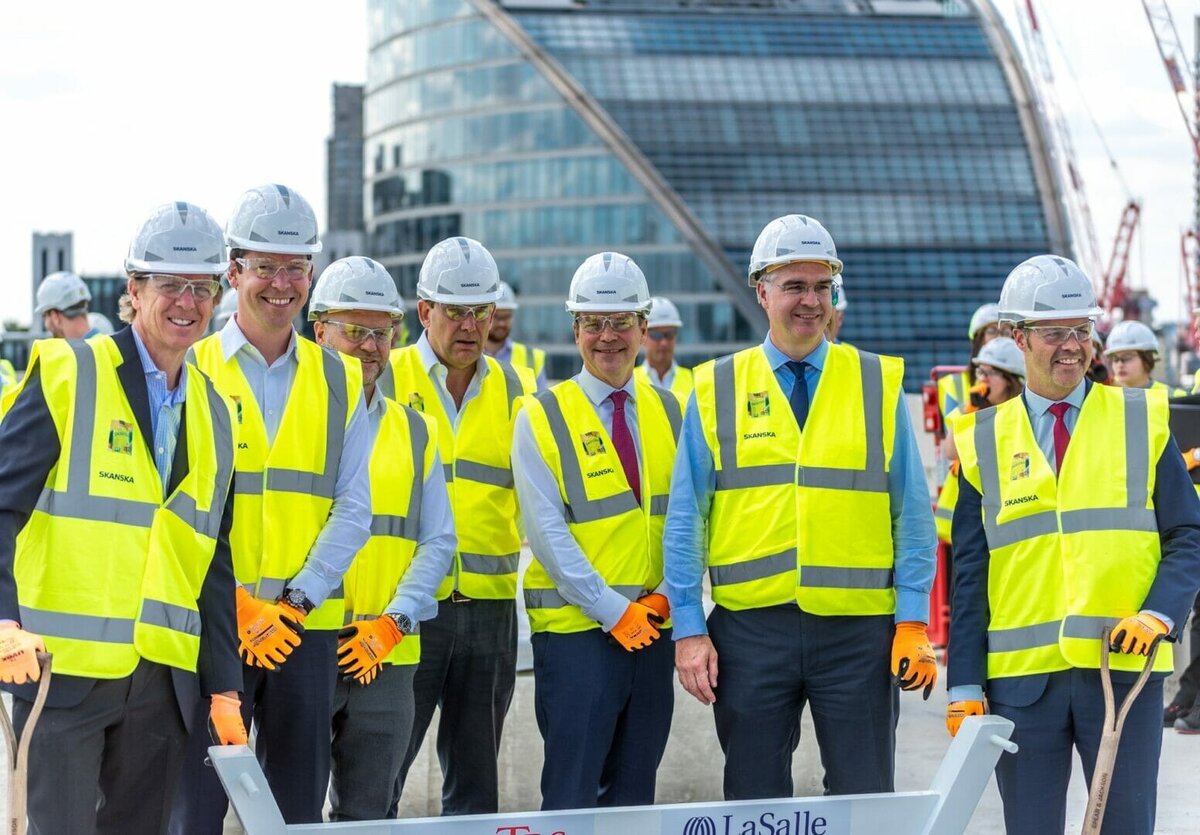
237 402
768 823
593 444
758 405
120 437
416 401
1019 467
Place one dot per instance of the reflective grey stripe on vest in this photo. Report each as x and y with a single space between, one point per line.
659 504
448 472
208 523
170 616
512 386
269 588
872 478
1087 627
579 508
484 473
670 405
248 484
841 577
944 513
408 525
77 627
959 397
551 599
495 565
753 569
387 382
1023 637
322 484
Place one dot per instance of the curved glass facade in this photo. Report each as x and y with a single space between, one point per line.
899 133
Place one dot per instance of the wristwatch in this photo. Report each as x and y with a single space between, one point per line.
297 600
403 622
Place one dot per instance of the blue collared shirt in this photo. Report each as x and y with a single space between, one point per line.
437 373
693 482
1038 408
166 410
665 380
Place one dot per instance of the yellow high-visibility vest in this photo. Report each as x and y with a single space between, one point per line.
1172 391
524 356
401 460
478 469
681 385
1073 554
791 520
954 392
283 491
621 539
107 570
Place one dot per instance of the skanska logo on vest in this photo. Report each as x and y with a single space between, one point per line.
1020 500
800 822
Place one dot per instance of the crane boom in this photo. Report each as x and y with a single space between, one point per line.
1175 62
1112 294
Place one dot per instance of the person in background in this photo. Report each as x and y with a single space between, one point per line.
954 389
516 354
62 302
839 317
1132 352
660 342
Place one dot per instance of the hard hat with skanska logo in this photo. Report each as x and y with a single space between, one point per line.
1003 353
180 239
608 282
508 299
1131 335
355 283
273 218
1047 287
789 239
459 271
984 315
664 313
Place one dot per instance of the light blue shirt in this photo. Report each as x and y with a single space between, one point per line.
166 410
685 543
437 373
664 381
436 539
505 355
349 523
544 515
1038 408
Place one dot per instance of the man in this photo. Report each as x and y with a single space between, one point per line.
469 650
116 462
604 694
62 302
1075 515
390 585
662 335
516 354
798 475
303 507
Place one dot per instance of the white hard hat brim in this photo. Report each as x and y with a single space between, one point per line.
134 265
445 298
601 307
1046 315
317 310
235 242
835 264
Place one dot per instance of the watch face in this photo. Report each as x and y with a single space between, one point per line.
298 599
403 623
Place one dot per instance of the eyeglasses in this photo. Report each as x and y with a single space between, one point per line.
458 312
800 289
1121 359
661 336
619 322
358 334
267 269
1053 335
982 373
173 287
992 331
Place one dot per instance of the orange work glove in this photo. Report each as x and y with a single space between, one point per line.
18 654
637 628
956 712
978 398
1136 634
1189 459
657 602
225 724
913 663
364 644
267 632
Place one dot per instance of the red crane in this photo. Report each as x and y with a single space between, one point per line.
1112 290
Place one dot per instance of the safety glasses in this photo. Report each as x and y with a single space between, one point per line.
266 268
458 312
619 322
358 334
173 287
1054 335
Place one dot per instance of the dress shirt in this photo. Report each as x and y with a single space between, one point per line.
348 526
694 479
665 380
438 372
166 410
544 514
505 355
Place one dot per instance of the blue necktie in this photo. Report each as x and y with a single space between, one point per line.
799 398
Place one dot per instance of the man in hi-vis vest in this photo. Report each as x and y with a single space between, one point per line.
799 487
662 338
517 354
302 503
391 583
116 462
468 662
1075 515
592 461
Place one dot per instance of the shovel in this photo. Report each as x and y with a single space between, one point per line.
18 750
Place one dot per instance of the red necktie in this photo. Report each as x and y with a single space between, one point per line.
1061 435
623 440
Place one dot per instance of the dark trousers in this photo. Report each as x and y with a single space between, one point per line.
604 714
1070 713
291 708
1189 679
774 661
110 763
469 669
371 727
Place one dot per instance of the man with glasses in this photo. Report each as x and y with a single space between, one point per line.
390 585
1075 516
302 503
799 486
517 354
592 460
469 650
662 336
116 463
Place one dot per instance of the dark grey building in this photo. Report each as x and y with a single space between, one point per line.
344 161
674 130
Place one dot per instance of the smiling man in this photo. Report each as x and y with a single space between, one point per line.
302 501
799 486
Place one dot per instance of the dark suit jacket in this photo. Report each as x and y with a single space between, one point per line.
29 448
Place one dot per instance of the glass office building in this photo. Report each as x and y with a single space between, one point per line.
674 130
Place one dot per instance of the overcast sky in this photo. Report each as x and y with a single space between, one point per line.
107 114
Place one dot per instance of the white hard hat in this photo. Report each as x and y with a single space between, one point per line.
1002 353
225 309
100 323
664 314
273 218
459 271
178 238
508 299
984 315
608 281
842 303
1047 287
355 283
61 291
792 238
1131 335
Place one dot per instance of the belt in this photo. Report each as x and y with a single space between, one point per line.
458 597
